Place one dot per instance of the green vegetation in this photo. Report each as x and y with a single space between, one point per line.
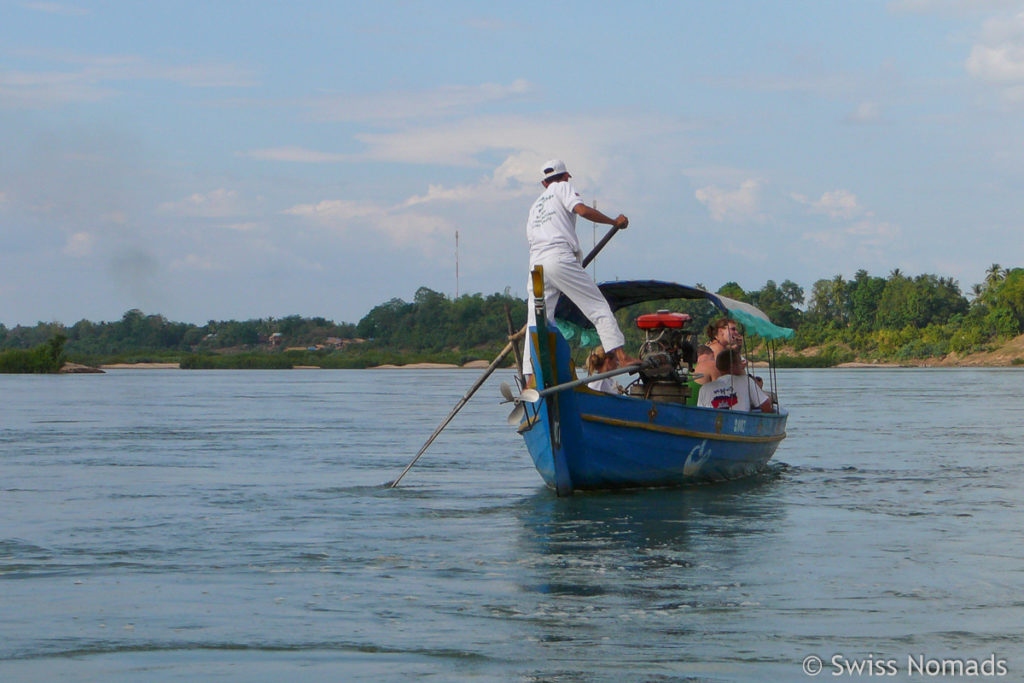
45 358
904 318
237 361
895 318
432 328
870 318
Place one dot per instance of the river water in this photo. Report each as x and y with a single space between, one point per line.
172 525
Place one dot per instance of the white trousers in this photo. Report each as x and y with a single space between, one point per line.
565 275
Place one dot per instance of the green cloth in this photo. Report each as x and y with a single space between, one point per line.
588 336
762 328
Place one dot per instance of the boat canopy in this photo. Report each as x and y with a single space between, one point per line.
622 293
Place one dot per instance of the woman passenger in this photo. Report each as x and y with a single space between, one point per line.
597 362
723 334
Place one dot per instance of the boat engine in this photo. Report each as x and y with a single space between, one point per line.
669 352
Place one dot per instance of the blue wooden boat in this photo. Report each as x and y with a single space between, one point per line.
581 439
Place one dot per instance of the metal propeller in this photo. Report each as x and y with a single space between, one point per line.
515 418
519 412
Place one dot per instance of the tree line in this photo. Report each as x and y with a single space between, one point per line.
904 317
897 317
136 332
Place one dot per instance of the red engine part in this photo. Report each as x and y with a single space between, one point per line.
661 319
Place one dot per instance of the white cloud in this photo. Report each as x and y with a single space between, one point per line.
92 78
57 8
195 262
444 101
513 179
295 154
734 206
837 204
79 245
866 112
440 193
998 57
116 217
201 75
336 210
590 146
582 142
411 228
863 236
490 24
999 63
402 227
243 227
219 203
858 232
21 89
829 239
957 6
877 234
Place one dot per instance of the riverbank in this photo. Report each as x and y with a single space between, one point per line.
78 368
473 364
1010 354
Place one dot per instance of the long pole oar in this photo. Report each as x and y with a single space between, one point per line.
599 246
492 367
532 395
463 401
515 348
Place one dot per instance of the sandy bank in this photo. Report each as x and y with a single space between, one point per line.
871 365
79 369
432 366
140 366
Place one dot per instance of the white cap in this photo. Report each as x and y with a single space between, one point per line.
552 168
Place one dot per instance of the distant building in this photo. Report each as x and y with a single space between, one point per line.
276 339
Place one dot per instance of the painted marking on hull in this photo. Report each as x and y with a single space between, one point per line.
697 457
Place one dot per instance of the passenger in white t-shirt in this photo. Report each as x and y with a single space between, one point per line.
735 389
551 232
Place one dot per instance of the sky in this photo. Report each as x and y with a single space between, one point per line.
236 160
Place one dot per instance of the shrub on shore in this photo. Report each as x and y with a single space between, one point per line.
45 358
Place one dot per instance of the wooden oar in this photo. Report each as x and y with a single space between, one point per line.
515 349
492 367
532 395
463 401
599 246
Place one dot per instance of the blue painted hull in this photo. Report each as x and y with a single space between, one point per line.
580 439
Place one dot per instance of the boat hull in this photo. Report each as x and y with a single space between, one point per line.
581 439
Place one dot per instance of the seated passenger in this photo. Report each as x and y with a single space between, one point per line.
760 384
724 334
599 361
735 389
705 365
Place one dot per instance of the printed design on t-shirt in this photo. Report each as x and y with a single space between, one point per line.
724 399
541 213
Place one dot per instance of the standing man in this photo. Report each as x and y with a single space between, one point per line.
551 231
